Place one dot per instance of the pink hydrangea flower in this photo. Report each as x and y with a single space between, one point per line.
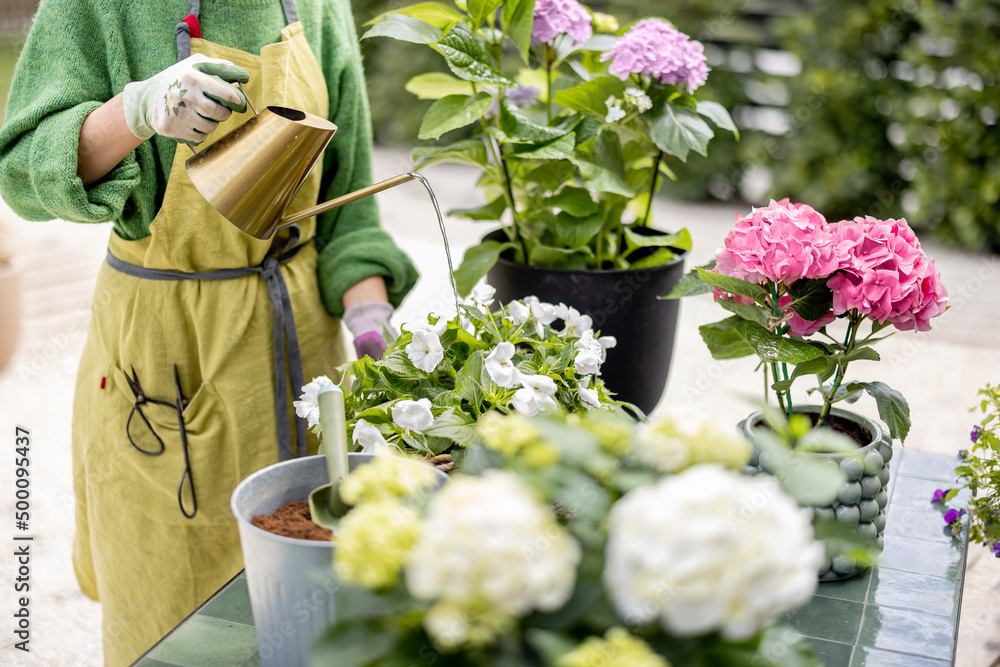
799 326
886 275
781 242
653 47
555 17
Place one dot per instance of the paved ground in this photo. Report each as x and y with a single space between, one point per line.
939 373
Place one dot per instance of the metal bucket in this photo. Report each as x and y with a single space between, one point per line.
291 581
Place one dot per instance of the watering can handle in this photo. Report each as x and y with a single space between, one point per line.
249 101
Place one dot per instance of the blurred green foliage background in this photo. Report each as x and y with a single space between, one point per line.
882 107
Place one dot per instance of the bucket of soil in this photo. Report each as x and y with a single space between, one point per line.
861 502
290 577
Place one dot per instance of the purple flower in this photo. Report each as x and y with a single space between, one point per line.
555 17
963 454
522 96
653 47
974 436
951 516
939 495
996 549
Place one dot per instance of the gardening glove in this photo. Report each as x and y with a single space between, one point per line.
369 322
187 101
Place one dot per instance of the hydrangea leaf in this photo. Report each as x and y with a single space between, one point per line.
479 10
560 149
771 347
437 14
677 132
892 407
691 283
811 299
592 96
751 312
724 341
405 29
717 113
452 112
465 53
470 151
733 285
518 17
516 128
435 85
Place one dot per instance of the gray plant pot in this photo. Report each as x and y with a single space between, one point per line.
291 581
863 498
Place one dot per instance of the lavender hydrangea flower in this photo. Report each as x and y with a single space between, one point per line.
653 47
555 17
974 436
523 96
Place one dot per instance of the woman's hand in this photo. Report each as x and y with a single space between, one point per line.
367 312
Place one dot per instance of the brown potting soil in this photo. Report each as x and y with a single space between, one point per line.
293 520
852 430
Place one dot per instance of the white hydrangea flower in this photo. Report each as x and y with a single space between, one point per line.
615 111
638 98
307 407
576 323
489 550
425 350
709 550
370 439
413 415
537 393
500 367
588 395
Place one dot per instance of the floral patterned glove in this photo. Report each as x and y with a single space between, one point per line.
367 321
187 101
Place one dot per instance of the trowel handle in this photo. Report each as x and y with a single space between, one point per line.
331 417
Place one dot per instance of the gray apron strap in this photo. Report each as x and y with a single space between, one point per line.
184 28
286 338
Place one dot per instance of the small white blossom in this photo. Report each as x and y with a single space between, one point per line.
424 324
615 111
542 313
483 293
639 99
489 552
500 367
425 350
518 312
588 395
307 407
709 550
587 362
413 415
537 393
370 439
576 322
599 346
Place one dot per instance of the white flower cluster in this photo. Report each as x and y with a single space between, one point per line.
307 407
709 550
488 553
635 99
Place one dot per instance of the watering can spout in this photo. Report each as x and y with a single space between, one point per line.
251 174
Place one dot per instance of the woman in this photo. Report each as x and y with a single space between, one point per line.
200 335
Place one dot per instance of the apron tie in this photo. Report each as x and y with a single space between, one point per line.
286 338
188 27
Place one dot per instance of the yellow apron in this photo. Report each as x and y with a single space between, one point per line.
135 550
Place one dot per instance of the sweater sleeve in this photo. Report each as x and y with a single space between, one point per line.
61 77
351 243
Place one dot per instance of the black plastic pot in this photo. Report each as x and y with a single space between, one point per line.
623 304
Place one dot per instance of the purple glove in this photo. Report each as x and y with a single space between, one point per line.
369 322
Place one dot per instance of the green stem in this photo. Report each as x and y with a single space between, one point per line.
652 187
849 340
547 50
776 311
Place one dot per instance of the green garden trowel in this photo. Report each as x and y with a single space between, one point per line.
325 504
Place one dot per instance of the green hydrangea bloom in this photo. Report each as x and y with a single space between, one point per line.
669 448
387 477
617 649
373 541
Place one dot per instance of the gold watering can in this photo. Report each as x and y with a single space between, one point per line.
251 174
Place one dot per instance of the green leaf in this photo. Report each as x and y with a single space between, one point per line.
355 645
812 481
560 149
817 366
591 97
518 17
465 53
452 112
544 255
575 201
751 312
733 285
470 151
517 129
678 132
691 283
467 382
724 341
491 211
771 347
892 407
455 425
601 165
680 240
811 299
658 258
435 85
717 113
405 29
437 14
479 10
861 353
575 231
477 261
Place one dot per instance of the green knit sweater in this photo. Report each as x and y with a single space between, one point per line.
81 53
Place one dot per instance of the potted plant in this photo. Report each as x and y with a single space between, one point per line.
572 132
788 278
978 472
10 304
443 373
590 555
